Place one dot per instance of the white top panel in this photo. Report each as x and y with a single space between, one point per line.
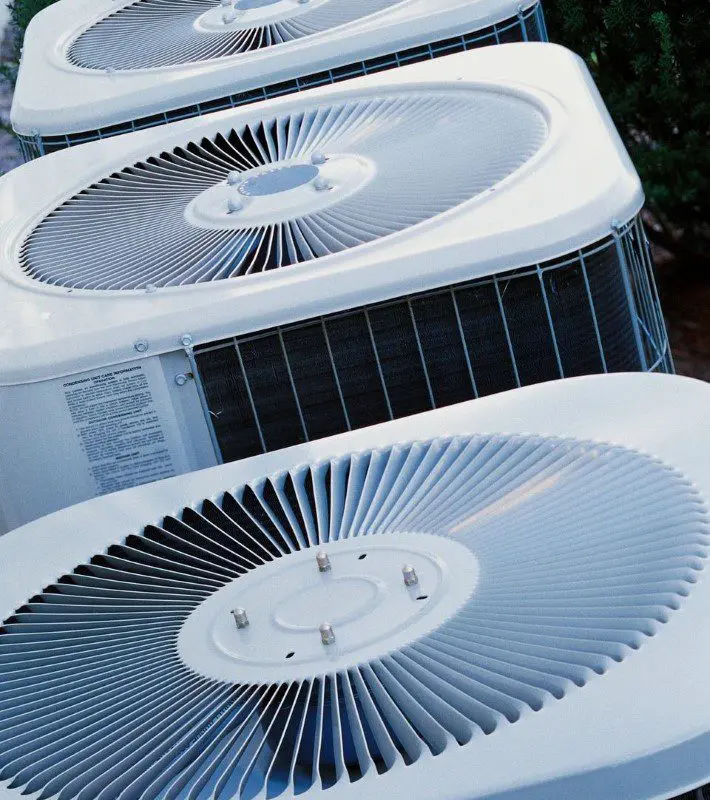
55 97
640 731
565 197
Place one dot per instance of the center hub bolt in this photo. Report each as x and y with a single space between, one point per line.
327 634
322 185
240 618
410 575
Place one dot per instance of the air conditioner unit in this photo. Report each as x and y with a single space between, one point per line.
92 69
224 286
509 598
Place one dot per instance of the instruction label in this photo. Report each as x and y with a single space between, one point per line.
122 427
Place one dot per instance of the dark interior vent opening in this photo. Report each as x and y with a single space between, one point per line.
596 311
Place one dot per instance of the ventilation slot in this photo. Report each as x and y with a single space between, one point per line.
346 371
530 26
96 700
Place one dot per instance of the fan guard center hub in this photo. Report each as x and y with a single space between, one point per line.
254 13
362 596
280 191
279 180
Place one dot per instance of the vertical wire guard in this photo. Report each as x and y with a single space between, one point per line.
289 371
541 23
334 367
39 143
31 147
550 321
190 353
648 321
647 279
523 23
379 365
250 395
626 277
430 390
24 149
592 308
594 311
504 318
462 336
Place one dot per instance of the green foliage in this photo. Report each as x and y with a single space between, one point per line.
22 11
651 61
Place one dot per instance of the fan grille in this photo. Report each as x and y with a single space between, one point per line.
161 33
280 387
130 231
585 551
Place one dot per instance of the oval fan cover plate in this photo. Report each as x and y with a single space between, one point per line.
103 697
376 166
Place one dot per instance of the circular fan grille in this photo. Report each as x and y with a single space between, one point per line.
429 152
160 33
584 550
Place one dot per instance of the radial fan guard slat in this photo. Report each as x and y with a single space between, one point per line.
586 551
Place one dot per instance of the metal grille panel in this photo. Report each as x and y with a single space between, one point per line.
528 26
594 312
100 700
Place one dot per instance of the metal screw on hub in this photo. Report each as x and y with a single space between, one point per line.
234 204
241 618
410 575
322 185
323 562
234 178
318 159
327 634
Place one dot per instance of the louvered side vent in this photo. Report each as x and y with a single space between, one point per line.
529 25
313 183
129 678
595 312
